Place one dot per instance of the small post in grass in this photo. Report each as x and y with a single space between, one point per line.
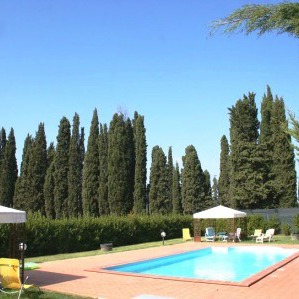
163 235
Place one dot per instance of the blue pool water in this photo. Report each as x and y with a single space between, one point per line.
214 263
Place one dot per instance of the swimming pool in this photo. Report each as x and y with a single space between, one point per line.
235 265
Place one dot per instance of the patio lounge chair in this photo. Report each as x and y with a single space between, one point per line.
210 235
257 233
267 236
186 234
10 277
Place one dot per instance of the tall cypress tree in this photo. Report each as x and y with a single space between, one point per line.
9 171
215 192
91 170
176 191
223 183
193 182
50 183
81 164
2 146
75 168
62 168
37 171
21 195
159 201
140 164
244 186
103 178
120 166
283 158
207 189
170 169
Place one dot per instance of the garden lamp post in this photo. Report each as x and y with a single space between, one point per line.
22 248
163 235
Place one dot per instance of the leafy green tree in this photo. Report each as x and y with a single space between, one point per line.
9 171
103 178
120 165
140 164
294 130
176 191
2 145
50 183
280 18
21 195
91 170
224 182
193 182
283 158
62 169
74 173
159 201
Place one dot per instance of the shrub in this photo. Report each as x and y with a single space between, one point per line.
273 222
255 222
286 229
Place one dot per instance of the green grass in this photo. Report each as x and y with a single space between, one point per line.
278 239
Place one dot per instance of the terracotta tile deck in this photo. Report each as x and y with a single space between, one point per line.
70 276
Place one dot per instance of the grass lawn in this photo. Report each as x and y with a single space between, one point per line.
35 294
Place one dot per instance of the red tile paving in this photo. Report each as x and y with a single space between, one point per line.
70 276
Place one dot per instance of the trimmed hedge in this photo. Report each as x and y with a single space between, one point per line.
46 237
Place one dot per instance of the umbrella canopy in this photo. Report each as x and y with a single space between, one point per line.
9 215
219 212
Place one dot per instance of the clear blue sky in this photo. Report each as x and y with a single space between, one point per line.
155 57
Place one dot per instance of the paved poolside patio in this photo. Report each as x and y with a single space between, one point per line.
70 277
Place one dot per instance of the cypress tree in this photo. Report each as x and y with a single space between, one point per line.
61 169
159 201
170 169
91 170
223 183
215 192
37 171
140 165
75 168
21 195
193 182
120 166
207 189
81 164
244 189
103 178
50 183
176 191
283 158
9 171
3 141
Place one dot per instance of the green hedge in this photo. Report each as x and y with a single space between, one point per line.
47 237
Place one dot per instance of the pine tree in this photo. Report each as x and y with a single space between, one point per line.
103 178
37 171
120 165
193 182
224 183
140 165
9 171
21 195
75 169
3 141
91 170
159 201
62 168
50 183
176 191
283 158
